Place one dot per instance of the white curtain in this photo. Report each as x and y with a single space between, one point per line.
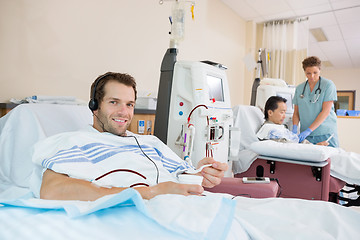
287 43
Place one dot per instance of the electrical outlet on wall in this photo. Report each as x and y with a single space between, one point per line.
148 127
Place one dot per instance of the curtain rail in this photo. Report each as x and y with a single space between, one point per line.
285 21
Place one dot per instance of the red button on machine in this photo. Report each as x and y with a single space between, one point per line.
181 103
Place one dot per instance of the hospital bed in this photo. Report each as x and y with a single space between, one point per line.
126 215
303 170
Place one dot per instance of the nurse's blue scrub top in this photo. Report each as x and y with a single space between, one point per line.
308 111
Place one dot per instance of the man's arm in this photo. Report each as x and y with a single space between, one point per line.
58 186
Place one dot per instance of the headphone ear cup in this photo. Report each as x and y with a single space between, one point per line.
93 105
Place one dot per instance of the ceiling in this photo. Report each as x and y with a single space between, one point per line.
339 20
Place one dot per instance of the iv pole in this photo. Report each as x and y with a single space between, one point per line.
262 64
256 82
177 21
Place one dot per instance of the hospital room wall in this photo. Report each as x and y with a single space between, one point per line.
348 128
60 47
345 79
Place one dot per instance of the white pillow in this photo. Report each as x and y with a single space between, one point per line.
293 151
25 125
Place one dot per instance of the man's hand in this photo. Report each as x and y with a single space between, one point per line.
212 175
172 188
323 143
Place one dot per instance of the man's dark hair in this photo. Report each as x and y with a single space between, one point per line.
123 78
272 104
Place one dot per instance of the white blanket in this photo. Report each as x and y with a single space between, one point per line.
346 166
193 217
296 219
106 159
179 217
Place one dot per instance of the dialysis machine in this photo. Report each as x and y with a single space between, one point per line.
193 112
200 114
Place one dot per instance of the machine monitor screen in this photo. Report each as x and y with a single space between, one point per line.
288 97
215 88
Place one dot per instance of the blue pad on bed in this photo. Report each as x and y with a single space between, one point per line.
214 224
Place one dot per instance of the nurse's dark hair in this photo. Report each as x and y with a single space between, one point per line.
272 104
312 61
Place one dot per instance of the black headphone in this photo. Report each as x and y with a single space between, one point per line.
93 103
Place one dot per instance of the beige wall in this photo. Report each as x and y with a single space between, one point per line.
348 128
345 79
52 47
349 132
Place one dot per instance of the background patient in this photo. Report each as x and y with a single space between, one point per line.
273 127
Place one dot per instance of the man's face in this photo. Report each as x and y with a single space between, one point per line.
116 109
278 115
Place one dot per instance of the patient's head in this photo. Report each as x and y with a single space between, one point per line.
275 109
123 78
115 94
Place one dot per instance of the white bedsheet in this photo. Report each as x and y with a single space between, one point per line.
127 216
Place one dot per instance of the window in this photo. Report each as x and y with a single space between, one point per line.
346 100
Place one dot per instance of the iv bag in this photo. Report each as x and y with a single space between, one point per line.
178 21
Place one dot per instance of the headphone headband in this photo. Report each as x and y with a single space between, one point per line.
93 103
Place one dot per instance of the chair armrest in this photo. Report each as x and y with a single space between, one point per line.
236 187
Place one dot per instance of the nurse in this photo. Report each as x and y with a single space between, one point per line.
314 106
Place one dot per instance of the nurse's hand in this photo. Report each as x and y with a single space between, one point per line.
294 129
304 135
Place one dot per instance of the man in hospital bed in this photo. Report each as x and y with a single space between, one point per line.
273 127
106 158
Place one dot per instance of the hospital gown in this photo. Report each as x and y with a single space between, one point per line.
276 132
